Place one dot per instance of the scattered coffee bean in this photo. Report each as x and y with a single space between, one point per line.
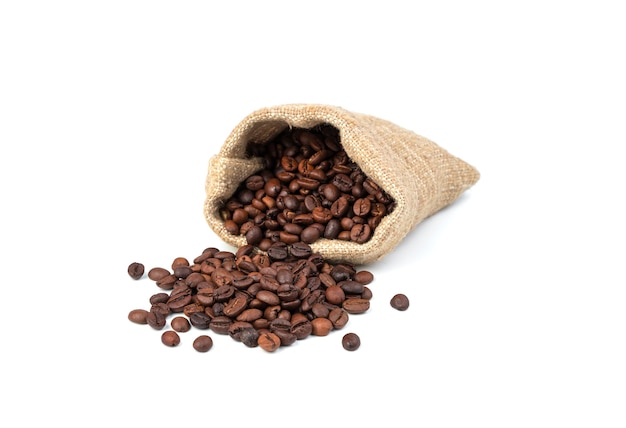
400 302
136 270
180 324
262 300
170 338
351 342
268 342
203 343
138 316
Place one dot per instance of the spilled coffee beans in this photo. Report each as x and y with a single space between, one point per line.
267 300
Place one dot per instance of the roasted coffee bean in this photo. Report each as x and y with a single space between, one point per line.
167 282
356 306
180 324
136 270
203 343
278 251
220 324
138 316
159 298
235 306
301 328
400 302
249 337
338 317
351 287
200 320
158 273
321 326
182 272
335 295
250 315
254 235
269 342
161 308
177 302
362 207
360 233
364 277
156 320
310 234
170 338
351 342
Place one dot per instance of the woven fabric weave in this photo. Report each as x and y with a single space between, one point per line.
418 174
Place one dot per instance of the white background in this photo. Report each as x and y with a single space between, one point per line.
110 111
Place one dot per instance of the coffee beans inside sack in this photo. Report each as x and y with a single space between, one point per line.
350 185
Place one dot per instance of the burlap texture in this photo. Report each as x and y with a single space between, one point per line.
421 176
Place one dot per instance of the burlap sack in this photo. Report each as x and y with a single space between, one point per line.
421 176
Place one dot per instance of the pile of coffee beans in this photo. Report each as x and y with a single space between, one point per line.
267 299
309 189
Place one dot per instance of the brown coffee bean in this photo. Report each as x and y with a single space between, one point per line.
180 324
338 317
351 342
156 320
138 316
335 295
400 302
203 343
360 233
361 207
364 277
356 306
321 326
269 342
136 270
158 273
170 338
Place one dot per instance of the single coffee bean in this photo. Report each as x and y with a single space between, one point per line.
335 295
249 337
321 326
254 235
136 270
301 328
351 342
180 324
138 316
360 233
200 320
400 302
158 273
235 306
269 342
203 343
361 207
278 251
364 277
170 338
338 317
220 324
356 306
159 298
156 320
